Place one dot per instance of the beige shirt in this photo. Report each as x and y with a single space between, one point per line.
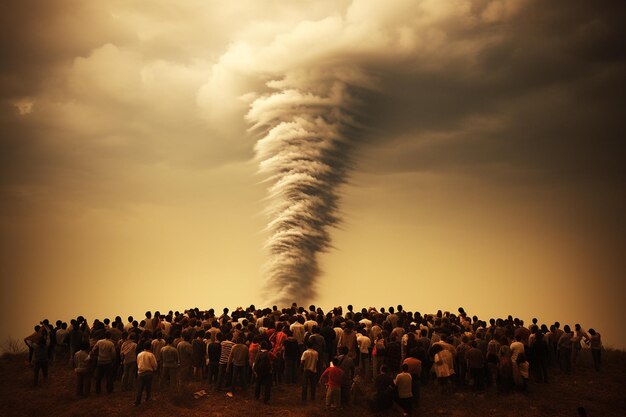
309 360
146 362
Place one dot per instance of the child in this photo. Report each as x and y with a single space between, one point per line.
333 375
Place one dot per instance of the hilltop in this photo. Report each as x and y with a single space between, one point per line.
601 393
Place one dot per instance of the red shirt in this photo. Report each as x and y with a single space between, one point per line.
335 376
415 365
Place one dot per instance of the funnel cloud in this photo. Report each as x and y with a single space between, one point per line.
305 153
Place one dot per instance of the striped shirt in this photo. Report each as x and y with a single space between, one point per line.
227 346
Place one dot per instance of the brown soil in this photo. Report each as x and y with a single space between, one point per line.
602 394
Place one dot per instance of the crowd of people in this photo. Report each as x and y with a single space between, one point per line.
380 356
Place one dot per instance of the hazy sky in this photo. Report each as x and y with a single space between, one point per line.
489 174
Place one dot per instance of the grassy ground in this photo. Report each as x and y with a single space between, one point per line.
602 394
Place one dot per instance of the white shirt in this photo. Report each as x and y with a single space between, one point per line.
146 362
516 349
364 343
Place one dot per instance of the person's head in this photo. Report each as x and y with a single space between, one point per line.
84 346
107 334
592 332
265 345
567 329
577 327
335 362
130 319
147 346
405 367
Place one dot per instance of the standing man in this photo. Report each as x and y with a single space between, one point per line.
107 355
308 362
146 366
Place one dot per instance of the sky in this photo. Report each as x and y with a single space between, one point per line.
486 170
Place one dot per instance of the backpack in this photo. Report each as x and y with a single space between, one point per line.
263 364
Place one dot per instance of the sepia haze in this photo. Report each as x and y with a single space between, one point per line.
481 157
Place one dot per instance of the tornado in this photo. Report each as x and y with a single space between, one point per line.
307 134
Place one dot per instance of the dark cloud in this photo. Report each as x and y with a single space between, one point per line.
554 79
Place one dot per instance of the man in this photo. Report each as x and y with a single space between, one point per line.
222 377
308 362
146 366
415 370
333 377
238 359
476 366
169 363
107 356
404 383
262 368
185 359
128 356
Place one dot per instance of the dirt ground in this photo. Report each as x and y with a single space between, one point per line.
601 393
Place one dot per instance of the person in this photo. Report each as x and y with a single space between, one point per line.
128 357
378 353
185 360
565 350
522 368
214 351
384 390
198 348
505 369
404 384
106 357
579 336
540 354
364 344
333 378
41 356
223 374
476 366
262 369
308 362
238 359
169 363
443 363
415 369
346 364
82 370
146 367
358 388
291 355
595 343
